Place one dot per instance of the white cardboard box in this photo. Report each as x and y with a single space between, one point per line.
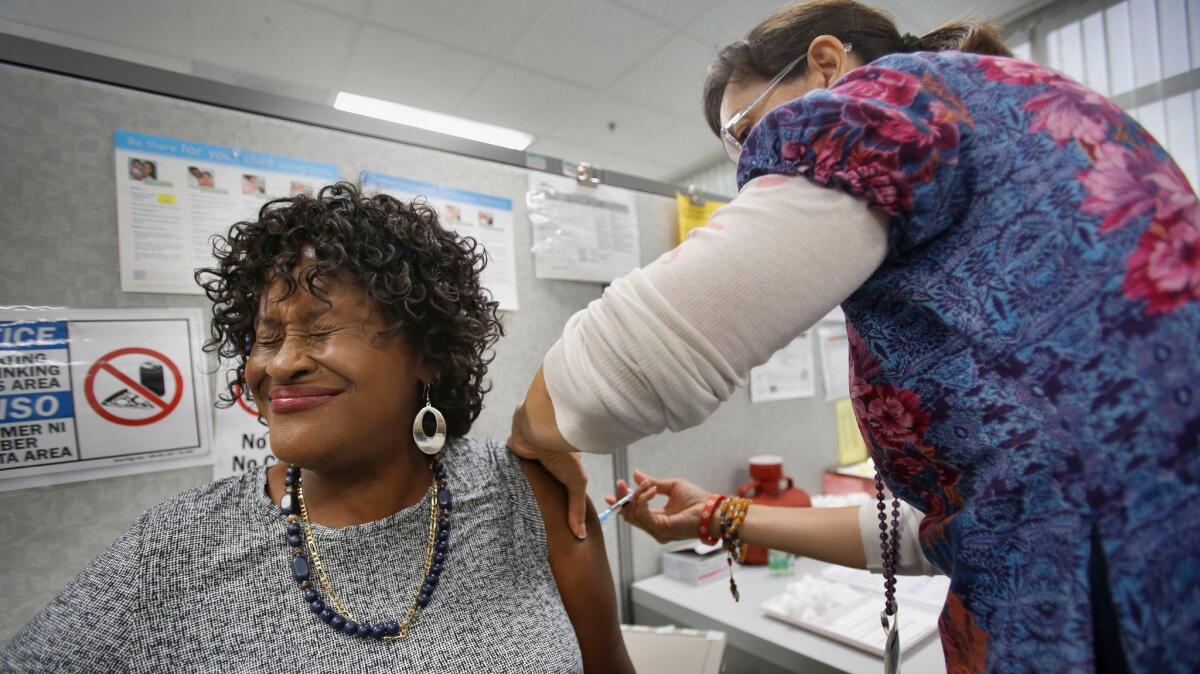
694 563
670 650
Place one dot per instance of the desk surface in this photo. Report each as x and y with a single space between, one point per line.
747 628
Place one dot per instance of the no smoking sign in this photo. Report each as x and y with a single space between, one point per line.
133 386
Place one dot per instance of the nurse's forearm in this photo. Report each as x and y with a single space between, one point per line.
536 418
827 534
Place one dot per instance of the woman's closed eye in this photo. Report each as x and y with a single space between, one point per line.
322 331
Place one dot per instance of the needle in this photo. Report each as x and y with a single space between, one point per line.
617 506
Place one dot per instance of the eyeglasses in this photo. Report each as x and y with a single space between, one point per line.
733 139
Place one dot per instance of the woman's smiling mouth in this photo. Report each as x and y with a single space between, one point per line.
286 399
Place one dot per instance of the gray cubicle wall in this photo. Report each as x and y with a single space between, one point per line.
58 247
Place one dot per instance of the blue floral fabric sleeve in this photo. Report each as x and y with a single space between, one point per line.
891 132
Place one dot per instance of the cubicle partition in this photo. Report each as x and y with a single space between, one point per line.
59 248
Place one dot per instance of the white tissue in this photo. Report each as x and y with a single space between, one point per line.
810 598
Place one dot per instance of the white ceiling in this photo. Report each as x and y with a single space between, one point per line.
613 82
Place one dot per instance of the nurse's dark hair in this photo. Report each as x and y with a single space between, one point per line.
424 277
786 34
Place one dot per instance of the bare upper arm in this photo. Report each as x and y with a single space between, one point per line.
584 580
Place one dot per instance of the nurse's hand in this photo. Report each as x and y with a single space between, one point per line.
566 467
678 520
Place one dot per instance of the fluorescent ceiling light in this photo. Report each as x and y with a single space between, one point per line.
432 121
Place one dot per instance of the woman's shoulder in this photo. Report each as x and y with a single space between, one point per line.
214 502
482 459
487 470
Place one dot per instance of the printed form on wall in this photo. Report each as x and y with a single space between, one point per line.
787 375
88 394
582 233
174 195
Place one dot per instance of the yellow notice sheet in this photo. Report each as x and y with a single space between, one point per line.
851 448
694 214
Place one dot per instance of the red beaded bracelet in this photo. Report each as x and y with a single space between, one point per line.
710 506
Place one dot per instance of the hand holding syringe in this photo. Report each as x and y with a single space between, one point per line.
677 520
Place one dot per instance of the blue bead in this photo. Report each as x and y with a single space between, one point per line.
311 595
392 627
294 541
444 524
293 529
363 631
439 558
422 600
350 627
443 536
445 501
300 568
443 547
378 631
337 622
432 579
436 569
426 589
293 470
317 606
327 614
289 481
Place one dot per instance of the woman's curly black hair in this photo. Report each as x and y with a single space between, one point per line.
425 278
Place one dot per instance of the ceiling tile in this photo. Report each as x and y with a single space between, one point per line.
570 150
633 125
589 42
521 100
677 13
159 26
322 94
406 69
671 78
642 168
352 8
685 146
486 27
90 46
730 20
922 17
272 38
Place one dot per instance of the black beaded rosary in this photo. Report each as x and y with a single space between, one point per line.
330 610
890 548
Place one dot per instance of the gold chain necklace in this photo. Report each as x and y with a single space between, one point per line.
332 610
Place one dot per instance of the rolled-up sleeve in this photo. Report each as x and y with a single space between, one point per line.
910 559
669 343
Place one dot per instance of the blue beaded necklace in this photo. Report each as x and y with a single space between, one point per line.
330 609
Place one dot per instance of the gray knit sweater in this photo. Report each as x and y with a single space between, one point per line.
201 583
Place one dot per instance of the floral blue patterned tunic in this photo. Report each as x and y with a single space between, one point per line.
1025 365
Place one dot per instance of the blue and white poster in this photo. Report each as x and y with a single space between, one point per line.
87 394
173 195
484 217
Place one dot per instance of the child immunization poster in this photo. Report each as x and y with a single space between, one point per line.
173 195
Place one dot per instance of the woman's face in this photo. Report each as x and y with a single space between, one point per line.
335 392
827 61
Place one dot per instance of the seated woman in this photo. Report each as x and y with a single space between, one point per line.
371 546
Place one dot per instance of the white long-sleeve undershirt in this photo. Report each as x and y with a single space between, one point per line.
668 343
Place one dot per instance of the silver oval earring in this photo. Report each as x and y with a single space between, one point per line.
429 444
